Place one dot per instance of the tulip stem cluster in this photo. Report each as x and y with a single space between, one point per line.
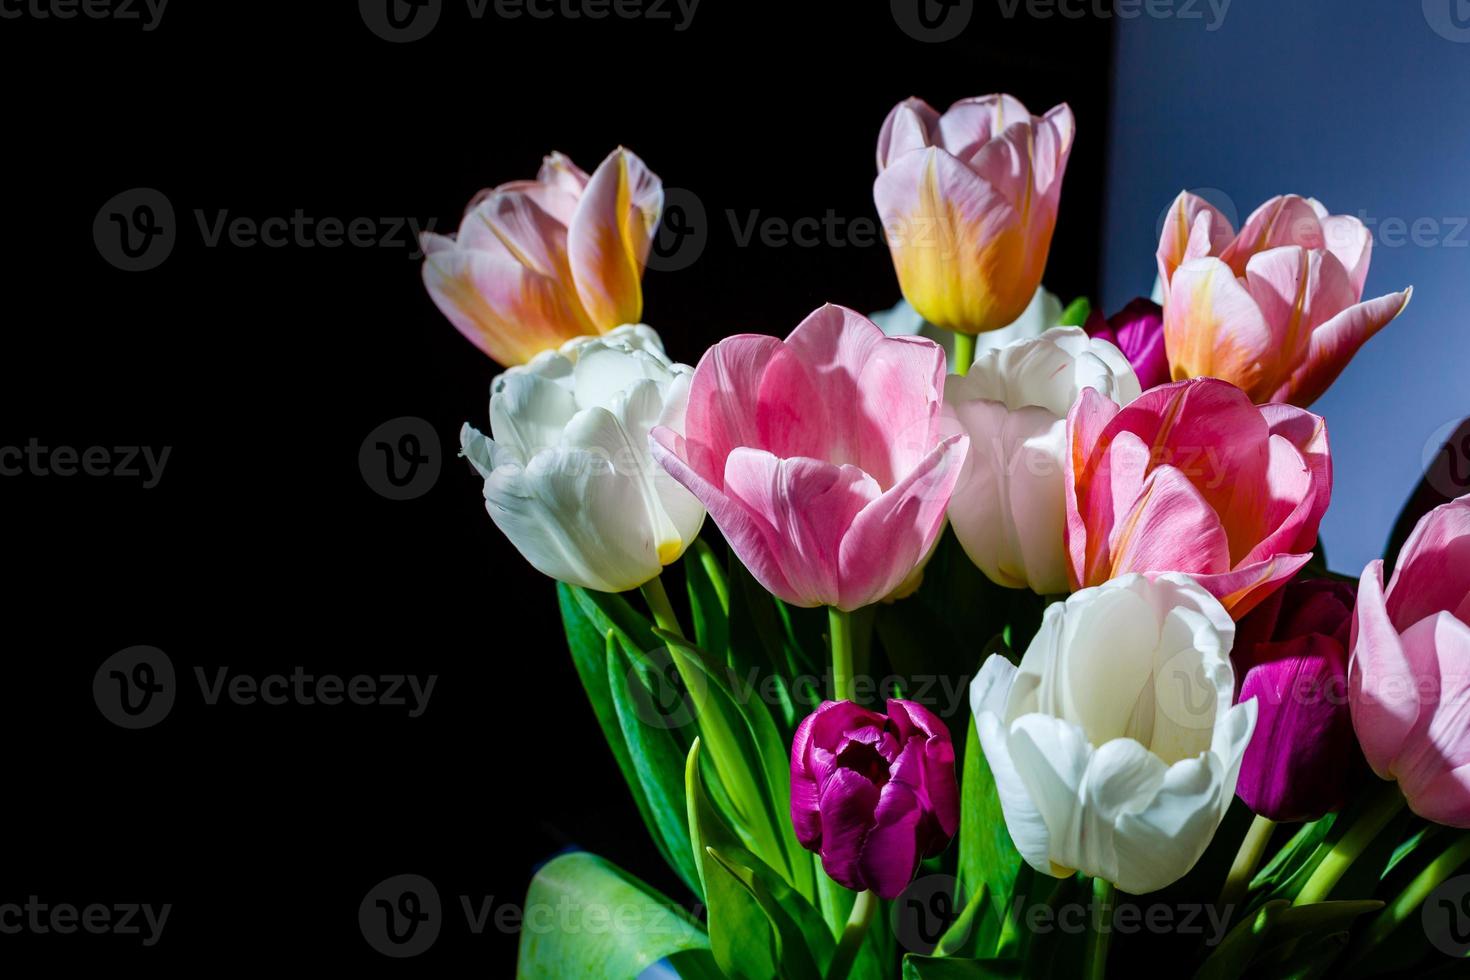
1415 893
1097 943
964 353
1246 861
852 934
839 624
1376 815
657 598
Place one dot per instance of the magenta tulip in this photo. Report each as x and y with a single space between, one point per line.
1138 331
1291 656
1191 477
1410 671
873 794
820 457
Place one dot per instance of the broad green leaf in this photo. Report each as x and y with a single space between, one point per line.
586 917
657 757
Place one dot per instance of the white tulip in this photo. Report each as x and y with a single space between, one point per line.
568 474
1040 315
1114 745
1009 508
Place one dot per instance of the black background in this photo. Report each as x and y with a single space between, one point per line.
263 368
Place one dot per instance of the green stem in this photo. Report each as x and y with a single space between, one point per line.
839 625
1382 808
1412 897
1246 861
852 936
964 352
657 598
1102 929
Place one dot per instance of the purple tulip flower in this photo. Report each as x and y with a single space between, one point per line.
1291 656
873 794
1138 331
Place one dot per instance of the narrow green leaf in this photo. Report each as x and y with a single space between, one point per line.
658 760
1076 313
709 600
917 967
1236 951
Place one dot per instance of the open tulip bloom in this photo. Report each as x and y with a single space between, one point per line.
1105 532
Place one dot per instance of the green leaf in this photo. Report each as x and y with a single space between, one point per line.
657 757
752 761
586 629
586 917
988 858
1076 313
917 967
709 599
1317 920
1238 949
759 926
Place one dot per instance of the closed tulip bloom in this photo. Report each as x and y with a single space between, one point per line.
820 457
568 474
1191 477
873 794
1138 331
1114 744
538 262
1277 309
1410 670
1009 509
968 200
1291 656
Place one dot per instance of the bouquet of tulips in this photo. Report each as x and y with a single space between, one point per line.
1012 650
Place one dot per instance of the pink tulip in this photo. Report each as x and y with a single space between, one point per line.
1409 679
538 262
820 457
1191 477
969 202
1276 310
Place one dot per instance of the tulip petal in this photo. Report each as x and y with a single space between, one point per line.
1437 649
1284 220
1172 526
890 852
502 307
1050 758
909 127
750 537
848 800
892 533
1335 342
609 238
1433 570
1352 243
989 693
809 505
1381 685
1193 228
1213 327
